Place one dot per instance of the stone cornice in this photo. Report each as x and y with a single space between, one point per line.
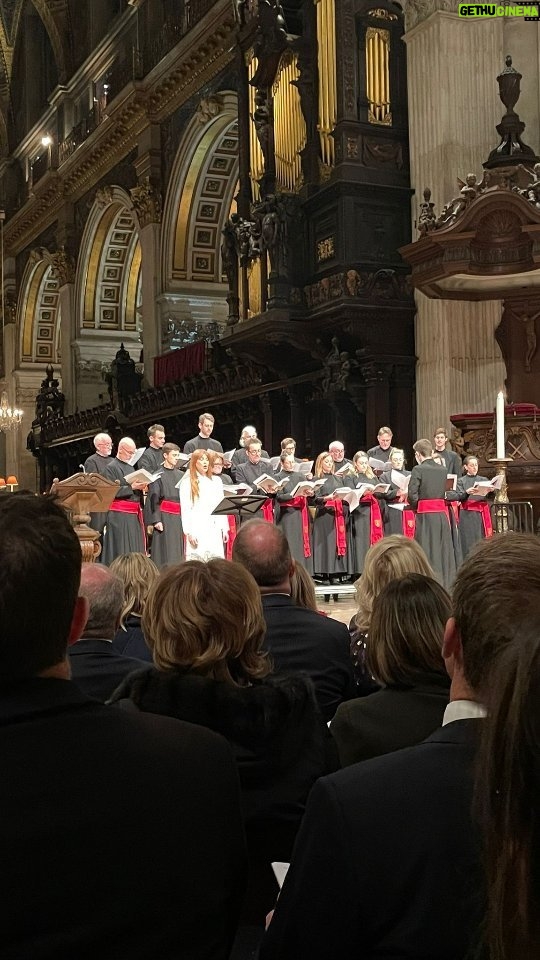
199 56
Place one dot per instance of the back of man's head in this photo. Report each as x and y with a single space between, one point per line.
492 593
263 550
39 583
105 594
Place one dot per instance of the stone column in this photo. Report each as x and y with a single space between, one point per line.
147 206
453 110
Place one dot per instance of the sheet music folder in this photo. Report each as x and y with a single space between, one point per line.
242 506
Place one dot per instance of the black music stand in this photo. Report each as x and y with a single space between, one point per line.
240 506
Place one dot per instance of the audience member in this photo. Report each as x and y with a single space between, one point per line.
138 573
205 626
297 639
388 855
96 666
387 560
403 650
121 834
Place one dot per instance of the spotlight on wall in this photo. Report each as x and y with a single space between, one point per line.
46 140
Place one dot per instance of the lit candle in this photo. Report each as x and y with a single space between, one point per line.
500 426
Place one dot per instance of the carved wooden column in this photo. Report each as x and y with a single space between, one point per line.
146 200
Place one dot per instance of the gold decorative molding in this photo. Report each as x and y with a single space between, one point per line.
200 56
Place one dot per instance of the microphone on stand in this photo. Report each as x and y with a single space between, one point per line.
81 467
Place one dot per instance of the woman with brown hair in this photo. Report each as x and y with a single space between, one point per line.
138 573
200 493
204 624
403 650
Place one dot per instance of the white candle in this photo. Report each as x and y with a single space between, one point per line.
500 426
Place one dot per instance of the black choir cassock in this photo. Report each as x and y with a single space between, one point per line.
427 488
124 531
326 560
202 443
471 522
163 506
293 519
239 458
151 460
95 463
361 522
452 461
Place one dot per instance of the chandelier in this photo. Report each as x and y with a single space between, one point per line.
9 419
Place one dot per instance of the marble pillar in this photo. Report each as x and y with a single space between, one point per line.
454 107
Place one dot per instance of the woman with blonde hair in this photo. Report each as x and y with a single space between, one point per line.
404 655
390 558
330 525
138 573
200 493
205 626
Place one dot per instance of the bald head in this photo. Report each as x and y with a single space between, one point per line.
263 550
126 449
105 594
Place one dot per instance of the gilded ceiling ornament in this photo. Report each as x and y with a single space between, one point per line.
62 267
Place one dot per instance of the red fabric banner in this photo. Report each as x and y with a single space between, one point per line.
232 536
268 511
177 364
408 523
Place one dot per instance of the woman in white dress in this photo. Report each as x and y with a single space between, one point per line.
200 493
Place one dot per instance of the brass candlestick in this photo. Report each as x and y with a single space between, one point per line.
501 495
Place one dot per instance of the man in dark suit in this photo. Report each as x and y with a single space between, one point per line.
121 833
434 525
387 859
298 640
96 666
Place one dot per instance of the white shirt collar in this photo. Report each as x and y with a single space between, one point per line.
463 710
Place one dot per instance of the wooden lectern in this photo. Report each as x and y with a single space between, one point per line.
79 495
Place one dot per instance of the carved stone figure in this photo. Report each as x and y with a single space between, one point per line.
208 108
529 323
62 267
426 216
262 120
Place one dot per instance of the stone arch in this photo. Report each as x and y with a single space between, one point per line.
200 194
56 22
38 320
108 279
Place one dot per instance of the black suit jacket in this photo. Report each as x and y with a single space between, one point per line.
120 835
390 719
386 862
97 668
303 641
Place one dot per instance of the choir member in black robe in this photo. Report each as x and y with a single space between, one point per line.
397 521
451 460
96 463
384 445
366 524
152 457
240 455
204 441
475 516
163 502
124 532
330 559
292 514
427 488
